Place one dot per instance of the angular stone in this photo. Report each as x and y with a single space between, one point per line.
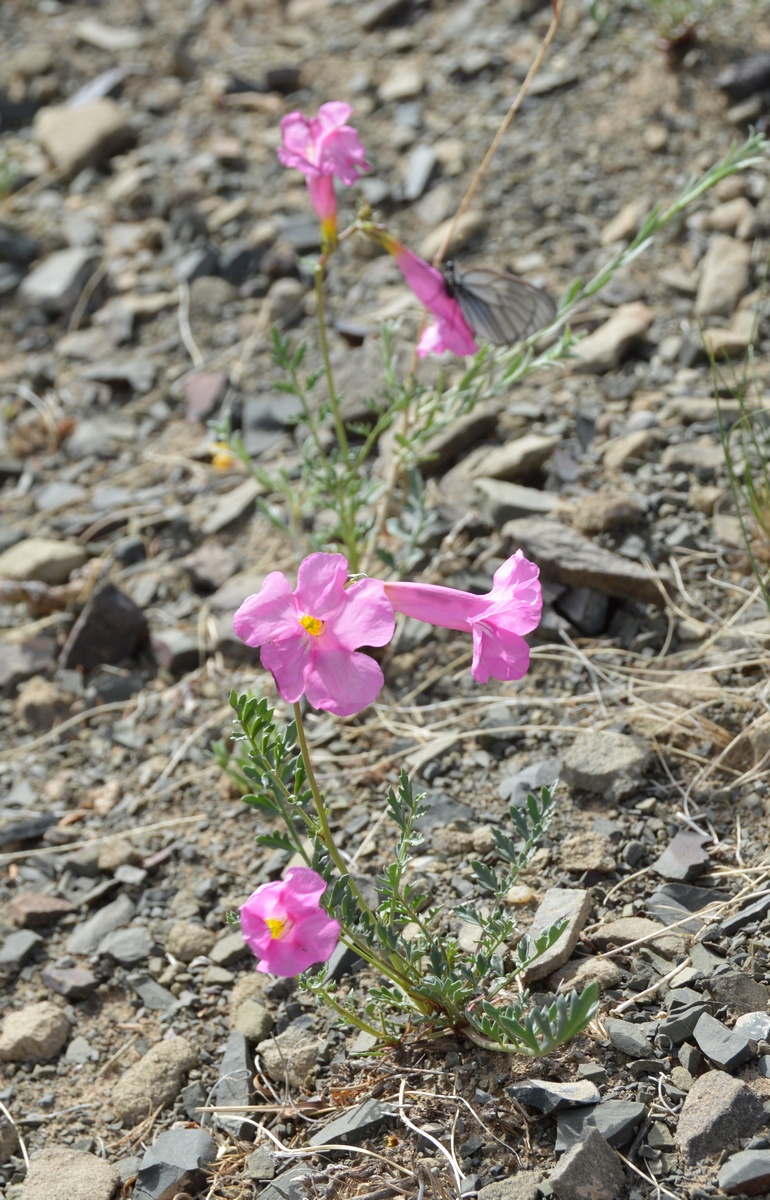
186 940
235 504
363 1121
754 1025
501 501
547 1096
747 1173
127 946
608 345
22 660
722 1047
579 972
17 949
725 274
567 557
518 458
87 936
228 949
43 559
524 1185
57 282
151 993
234 1086
574 904
607 764
590 1169
717 1113
616 1120
739 993
627 1037
174 1164
752 912
30 910
74 138
684 858
74 983
109 629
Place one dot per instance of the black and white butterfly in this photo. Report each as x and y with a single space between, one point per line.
497 306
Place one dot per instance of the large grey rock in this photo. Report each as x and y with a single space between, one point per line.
352 1127
684 858
573 904
717 1113
36 1033
524 1185
87 936
725 1048
616 1120
747 1173
591 1170
608 345
725 275
291 1056
154 1080
234 1086
43 559
174 1164
74 138
547 1096
59 1173
58 281
608 764
110 628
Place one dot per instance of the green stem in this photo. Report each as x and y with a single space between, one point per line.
325 831
339 424
347 519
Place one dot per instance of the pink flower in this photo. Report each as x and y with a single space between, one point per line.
451 331
309 637
322 147
285 926
496 621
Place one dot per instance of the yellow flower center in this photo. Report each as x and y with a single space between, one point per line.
312 625
277 926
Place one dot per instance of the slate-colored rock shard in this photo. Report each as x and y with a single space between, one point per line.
568 557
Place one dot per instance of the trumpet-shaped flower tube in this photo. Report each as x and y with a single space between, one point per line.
497 621
310 637
322 147
284 925
451 331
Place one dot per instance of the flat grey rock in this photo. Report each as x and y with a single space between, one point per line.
574 904
353 1126
87 936
747 1173
547 1096
684 858
18 948
627 1037
61 1173
234 1085
174 1163
607 764
616 1121
726 1049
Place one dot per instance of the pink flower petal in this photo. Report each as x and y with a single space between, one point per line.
270 613
499 654
342 682
322 196
290 662
321 584
448 607
302 885
366 616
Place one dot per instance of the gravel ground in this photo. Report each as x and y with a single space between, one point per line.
148 239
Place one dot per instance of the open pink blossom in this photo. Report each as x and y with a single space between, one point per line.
284 925
310 637
451 331
497 621
322 147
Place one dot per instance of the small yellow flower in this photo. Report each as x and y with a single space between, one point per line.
222 457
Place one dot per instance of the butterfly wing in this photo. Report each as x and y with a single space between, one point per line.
500 307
